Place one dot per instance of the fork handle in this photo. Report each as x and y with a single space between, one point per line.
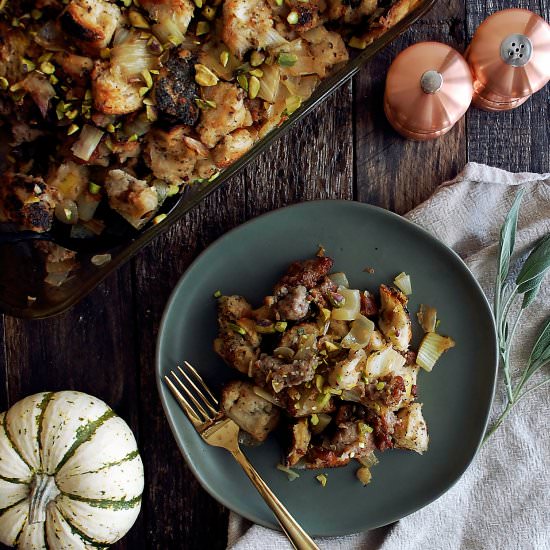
296 535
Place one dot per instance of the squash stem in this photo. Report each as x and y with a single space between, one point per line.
43 492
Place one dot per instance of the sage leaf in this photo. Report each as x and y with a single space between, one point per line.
528 283
541 349
530 291
536 265
508 237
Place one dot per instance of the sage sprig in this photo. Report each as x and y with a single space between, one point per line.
526 286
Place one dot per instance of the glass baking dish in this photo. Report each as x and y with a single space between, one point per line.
23 291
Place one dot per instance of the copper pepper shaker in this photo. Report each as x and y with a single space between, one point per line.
428 89
510 59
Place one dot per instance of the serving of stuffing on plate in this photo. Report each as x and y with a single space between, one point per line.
332 364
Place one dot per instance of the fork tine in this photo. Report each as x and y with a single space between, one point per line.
191 396
199 392
191 414
201 381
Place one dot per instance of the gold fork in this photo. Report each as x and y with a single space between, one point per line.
201 407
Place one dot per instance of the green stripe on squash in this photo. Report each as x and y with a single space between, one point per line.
40 417
129 457
12 443
106 503
84 434
14 480
76 531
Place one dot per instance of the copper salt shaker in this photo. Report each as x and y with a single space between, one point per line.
428 89
510 59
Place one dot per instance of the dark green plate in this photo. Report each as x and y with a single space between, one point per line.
457 394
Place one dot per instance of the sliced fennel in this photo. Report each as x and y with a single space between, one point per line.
89 139
364 475
431 348
403 283
340 279
427 317
359 335
352 305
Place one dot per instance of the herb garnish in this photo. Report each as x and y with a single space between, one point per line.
526 285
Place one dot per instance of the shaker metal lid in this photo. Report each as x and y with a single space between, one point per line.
510 54
428 89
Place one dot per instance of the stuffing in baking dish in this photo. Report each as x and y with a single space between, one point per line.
126 102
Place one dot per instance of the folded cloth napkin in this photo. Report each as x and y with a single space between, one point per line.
502 501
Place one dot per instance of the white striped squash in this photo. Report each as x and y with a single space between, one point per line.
70 473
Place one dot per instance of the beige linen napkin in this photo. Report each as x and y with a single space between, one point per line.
502 501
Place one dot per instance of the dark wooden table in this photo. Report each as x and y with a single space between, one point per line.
345 149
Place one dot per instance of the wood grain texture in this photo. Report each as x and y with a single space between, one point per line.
314 161
390 171
344 149
4 402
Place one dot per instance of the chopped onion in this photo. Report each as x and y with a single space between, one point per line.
431 348
196 146
40 89
368 461
384 362
427 317
133 56
87 206
274 112
360 334
210 56
269 83
138 126
364 476
340 279
302 86
352 307
121 35
403 283
346 374
168 32
322 479
89 139
305 62
292 475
